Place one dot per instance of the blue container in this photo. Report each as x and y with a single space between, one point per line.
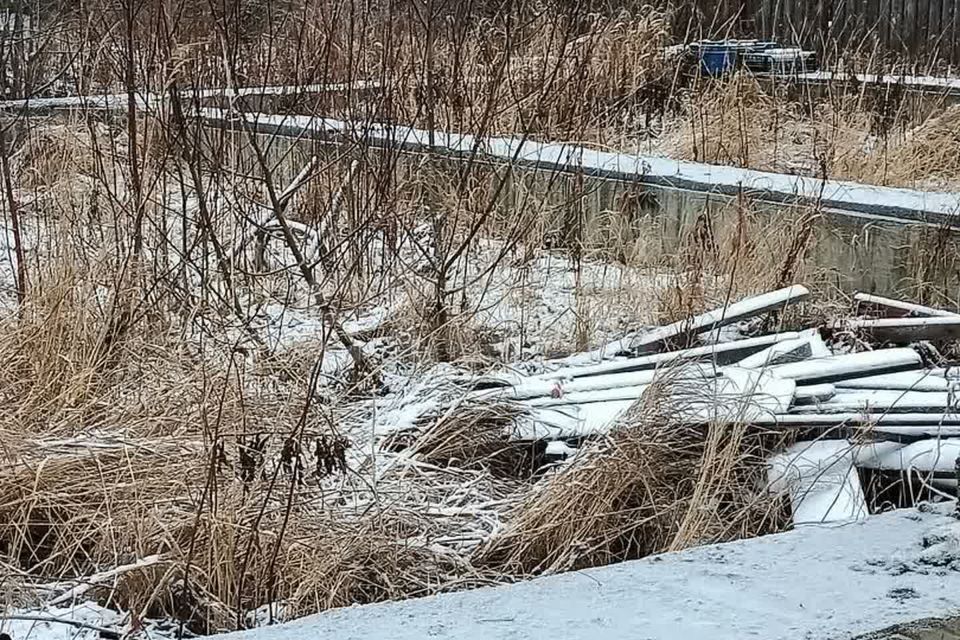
718 59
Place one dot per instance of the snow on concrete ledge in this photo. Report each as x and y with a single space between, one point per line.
852 198
820 582
909 205
943 85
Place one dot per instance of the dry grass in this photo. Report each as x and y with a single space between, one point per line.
166 440
476 434
730 251
928 154
122 447
107 463
888 140
51 152
654 485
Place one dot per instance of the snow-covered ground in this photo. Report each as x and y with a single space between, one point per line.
810 583
521 309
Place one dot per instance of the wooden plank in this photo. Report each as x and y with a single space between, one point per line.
883 25
536 387
807 346
873 24
814 393
896 25
955 32
589 397
764 17
583 365
910 31
649 341
946 24
811 23
821 26
885 400
863 9
935 36
900 308
902 330
789 31
921 44
802 17
904 381
837 17
860 419
916 432
851 365
946 16
739 397
776 23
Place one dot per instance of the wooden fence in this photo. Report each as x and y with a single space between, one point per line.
922 32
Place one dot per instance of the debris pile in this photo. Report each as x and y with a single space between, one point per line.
723 57
866 398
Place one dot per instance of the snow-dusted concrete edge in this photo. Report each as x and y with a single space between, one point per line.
927 84
145 100
906 205
811 583
944 85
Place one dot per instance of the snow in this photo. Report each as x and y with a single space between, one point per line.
810 583
822 482
411 396
48 623
927 456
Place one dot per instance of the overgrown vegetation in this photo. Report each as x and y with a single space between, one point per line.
213 340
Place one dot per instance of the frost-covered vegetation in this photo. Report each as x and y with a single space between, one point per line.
234 366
